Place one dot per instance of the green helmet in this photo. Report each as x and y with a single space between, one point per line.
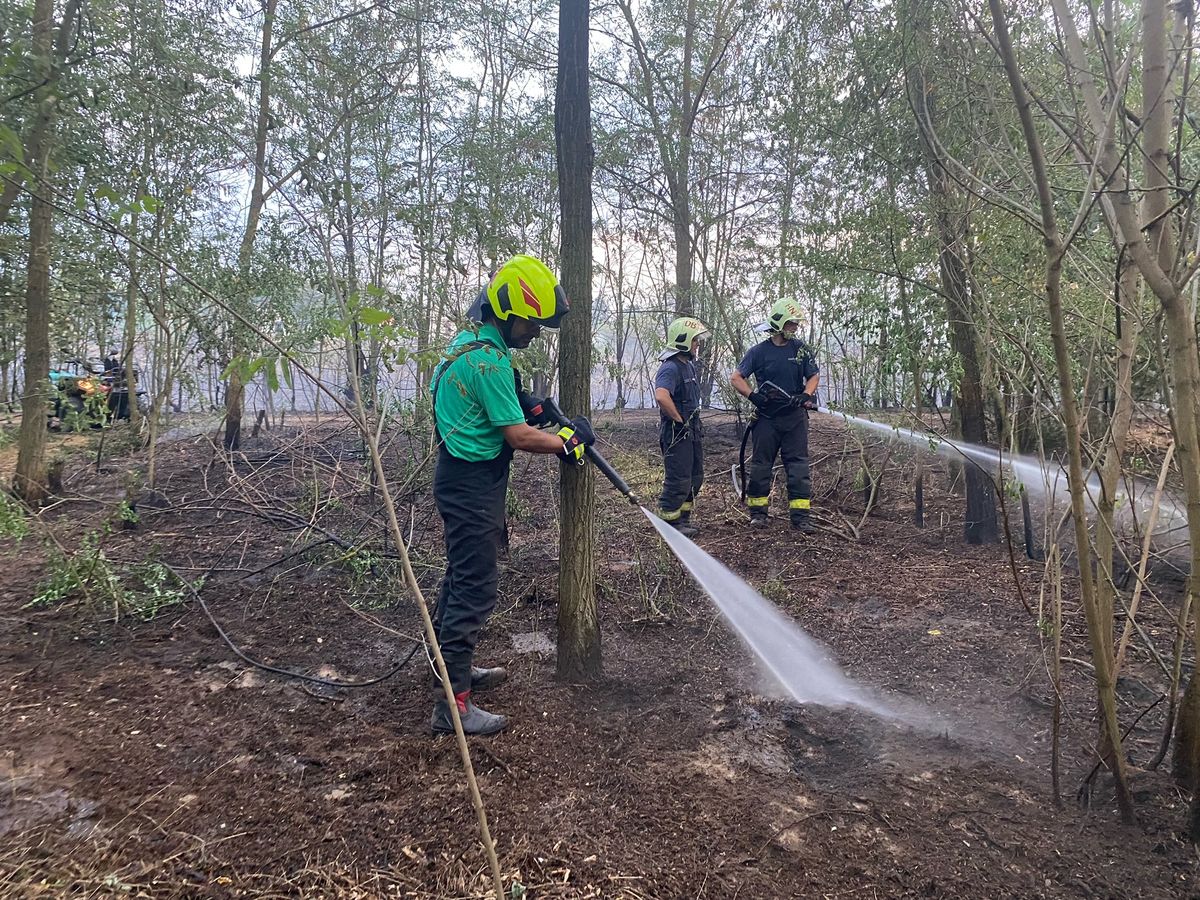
680 335
782 312
523 287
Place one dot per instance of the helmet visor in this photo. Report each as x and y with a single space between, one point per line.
561 308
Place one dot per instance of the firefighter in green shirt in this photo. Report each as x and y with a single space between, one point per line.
482 416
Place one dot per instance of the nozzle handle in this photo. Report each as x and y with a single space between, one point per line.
554 412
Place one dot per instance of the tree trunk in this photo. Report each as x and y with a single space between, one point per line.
681 189
131 306
1099 630
236 391
951 224
682 211
131 299
980 526
30 481
1117 432
578 618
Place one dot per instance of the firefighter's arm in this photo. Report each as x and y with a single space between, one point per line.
531 440
810 386
663 396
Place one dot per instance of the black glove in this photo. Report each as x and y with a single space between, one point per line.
535 413
531 406
680 431
760 402
576 439
808 401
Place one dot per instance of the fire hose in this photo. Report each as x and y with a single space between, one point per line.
555 415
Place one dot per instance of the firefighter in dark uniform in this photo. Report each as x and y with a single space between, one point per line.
677 391
481 420
786 377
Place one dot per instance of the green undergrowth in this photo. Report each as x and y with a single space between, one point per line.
13 521
86 575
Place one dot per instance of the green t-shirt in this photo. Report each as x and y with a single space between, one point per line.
476 396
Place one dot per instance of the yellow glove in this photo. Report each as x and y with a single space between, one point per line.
573 445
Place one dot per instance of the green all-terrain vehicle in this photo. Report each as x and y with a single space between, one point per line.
89 394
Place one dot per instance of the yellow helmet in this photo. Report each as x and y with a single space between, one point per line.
680 335
526 288
782 312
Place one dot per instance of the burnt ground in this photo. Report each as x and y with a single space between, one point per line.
142 759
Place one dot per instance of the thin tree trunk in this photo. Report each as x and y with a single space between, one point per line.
1099 632
235 392
578 619
131 301
1118 431
30 481
969 413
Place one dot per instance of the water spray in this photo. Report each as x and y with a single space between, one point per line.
1047 480
799 665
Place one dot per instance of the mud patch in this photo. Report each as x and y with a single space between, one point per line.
28 798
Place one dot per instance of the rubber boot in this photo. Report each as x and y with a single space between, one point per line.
684 525
801 522
758 519
474 719
482 679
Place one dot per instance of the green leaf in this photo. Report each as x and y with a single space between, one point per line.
149 203
368 315
235 365
10 143
272 376
286 368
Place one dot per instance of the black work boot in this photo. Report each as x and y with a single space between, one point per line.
801 522
482 679
474 719
758 519
684 525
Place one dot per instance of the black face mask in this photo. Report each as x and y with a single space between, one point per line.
505 328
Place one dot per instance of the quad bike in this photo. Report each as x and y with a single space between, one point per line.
95 396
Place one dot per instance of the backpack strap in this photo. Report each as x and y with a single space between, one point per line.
448 361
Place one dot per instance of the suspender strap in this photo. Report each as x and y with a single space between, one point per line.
449 361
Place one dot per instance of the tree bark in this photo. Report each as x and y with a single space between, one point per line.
236 390
1099 631
578 618
30 481
980 526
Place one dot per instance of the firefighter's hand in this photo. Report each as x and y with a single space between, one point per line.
808 401
576 439
760 402
532 407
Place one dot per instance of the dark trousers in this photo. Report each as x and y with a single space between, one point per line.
683 465
787 436
470 498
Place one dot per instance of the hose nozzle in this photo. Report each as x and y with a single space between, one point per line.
556 414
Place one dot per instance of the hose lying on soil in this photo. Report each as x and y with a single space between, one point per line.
290 673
